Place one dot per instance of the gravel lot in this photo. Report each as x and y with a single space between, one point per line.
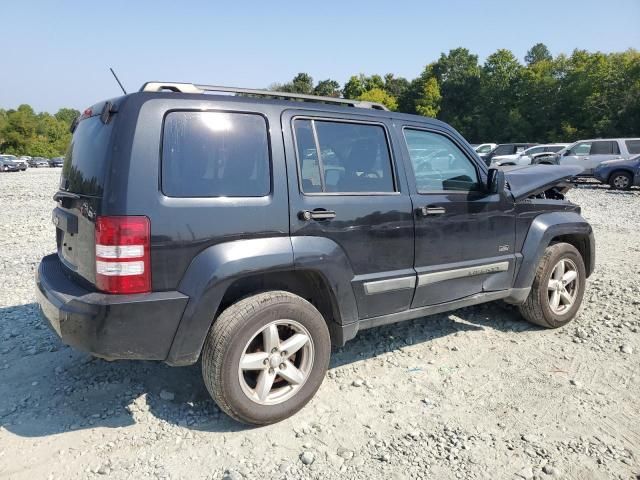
477 393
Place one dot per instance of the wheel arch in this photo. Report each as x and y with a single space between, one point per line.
548 228
314 268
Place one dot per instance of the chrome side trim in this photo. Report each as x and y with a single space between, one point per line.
381 286
435 277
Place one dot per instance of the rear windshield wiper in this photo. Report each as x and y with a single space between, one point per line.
62 194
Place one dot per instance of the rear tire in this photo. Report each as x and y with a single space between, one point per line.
265 357
620 180
558 287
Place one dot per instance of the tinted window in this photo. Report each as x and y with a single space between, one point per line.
555 148
215 154
438 164
504 150
604 148
86 158
633 146
353 157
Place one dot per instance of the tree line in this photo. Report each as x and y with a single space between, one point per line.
544 99
24 132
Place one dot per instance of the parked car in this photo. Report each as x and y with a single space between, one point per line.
22 162
37 162
505 149
219 233
620 174
56 162
484 147
525 157
588 154
8 163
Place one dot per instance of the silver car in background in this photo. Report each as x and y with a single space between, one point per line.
588 154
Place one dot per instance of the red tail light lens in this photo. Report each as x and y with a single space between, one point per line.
123 262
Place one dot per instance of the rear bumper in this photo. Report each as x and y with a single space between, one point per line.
113 327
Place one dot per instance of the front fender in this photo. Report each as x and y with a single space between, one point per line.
206 280
543 230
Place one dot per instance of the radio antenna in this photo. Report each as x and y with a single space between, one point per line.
118 80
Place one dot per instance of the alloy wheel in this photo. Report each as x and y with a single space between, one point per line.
276 362
563 286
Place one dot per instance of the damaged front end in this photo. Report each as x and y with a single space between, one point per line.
549 182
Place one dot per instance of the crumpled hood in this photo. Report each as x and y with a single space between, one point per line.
530 180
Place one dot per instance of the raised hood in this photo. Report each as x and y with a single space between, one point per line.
528 180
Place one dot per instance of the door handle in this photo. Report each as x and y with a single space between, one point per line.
429 211
317 214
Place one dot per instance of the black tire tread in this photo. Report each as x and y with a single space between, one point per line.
531 309
219 337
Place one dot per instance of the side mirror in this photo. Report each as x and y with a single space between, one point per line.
567 152
495 181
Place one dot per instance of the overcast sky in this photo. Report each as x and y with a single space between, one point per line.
57 54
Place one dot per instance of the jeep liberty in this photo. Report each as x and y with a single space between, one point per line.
253 230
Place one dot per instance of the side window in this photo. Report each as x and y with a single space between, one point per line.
534 150
215 154
581 149
438 164
604 148
353 158
504 150
633 146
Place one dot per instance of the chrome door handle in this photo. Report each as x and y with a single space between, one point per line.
428 211
317 214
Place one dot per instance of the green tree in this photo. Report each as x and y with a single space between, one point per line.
327 88
358 84
378 95
429 103
301 83
538 53
458 75
67 115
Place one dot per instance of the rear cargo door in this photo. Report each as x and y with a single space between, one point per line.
80 194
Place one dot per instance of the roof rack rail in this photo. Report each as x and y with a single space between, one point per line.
193 88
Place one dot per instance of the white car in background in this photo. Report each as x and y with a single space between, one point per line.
485 148
526 157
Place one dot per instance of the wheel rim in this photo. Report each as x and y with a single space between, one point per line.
621 181
563 286
276 362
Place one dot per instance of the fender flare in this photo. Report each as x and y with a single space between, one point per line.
214 269
543 230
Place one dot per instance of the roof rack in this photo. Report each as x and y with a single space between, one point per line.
193 88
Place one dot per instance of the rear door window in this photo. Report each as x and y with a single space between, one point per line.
215 154
604 148
343 157
633 146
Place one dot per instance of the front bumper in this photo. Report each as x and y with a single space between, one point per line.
140 326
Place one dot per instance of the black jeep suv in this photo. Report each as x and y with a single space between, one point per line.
254 231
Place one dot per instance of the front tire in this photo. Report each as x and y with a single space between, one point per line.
558 287
620 180
265 357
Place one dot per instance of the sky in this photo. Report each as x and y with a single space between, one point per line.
58 54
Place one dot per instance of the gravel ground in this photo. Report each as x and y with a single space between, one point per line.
477 393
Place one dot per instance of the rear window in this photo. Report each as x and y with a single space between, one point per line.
84 165
633 146
215 154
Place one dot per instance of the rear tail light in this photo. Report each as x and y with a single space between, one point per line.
123 254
